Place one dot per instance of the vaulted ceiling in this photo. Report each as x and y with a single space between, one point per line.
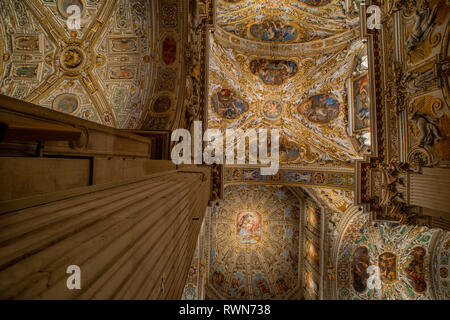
284 64
120 68
255 244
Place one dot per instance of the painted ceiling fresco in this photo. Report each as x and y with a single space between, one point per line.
284 64
101 72
403 256
284 21
254 244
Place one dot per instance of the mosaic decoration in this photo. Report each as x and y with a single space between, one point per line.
320 109
290 177
402 254
254 243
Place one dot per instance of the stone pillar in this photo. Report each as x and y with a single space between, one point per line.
132 240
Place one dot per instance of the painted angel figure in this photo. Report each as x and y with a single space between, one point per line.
424 21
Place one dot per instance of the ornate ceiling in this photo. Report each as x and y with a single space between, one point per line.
285 64
121 68
403 255
254 245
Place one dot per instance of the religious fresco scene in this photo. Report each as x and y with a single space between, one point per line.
97 96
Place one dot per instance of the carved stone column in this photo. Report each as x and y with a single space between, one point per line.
431 190
131 240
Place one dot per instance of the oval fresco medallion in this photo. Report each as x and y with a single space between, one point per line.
361 262
169 50
67 103
273 30
73 59
416 269
273 72
162 104
228 104
320 108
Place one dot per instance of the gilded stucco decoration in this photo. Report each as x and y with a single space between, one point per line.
402 254
288 61
121 68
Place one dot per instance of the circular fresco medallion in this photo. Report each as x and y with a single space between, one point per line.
272 109
72 59
162 104
443 273
67 103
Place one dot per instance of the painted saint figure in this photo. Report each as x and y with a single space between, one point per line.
228 104
248 227
273 72
320 108
273 30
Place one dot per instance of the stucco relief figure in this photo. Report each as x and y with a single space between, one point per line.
416 81
424 21
428 130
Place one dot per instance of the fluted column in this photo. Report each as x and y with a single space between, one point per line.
132 240
431 190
